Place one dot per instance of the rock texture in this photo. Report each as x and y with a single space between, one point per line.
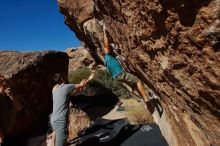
78 121
173 46
29 75
78 57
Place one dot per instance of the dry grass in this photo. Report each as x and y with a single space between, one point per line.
78 121
137 112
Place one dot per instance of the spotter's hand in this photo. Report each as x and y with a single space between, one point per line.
91 77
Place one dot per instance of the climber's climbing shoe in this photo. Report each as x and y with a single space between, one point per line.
121 109
152 95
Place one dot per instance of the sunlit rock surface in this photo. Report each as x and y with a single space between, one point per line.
173 46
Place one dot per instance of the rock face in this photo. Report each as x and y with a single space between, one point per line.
173 46
29 76
78 57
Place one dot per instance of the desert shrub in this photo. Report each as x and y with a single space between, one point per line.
81 73
139 115
137 112
102 79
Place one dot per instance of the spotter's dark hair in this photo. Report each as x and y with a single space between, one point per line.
58 78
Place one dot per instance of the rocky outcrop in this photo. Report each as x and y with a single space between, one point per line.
29 75
173 46
78 120
78 57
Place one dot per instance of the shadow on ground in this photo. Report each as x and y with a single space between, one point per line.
95 105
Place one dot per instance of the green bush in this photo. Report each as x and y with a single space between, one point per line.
77 76
102 79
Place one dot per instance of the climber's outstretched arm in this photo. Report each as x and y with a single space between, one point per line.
17 104
106 43
1 137
6 91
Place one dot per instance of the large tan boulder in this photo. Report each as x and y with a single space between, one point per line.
78 58
174 48
29 75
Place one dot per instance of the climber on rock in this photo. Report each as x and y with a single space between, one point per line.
59 117
8 112
117 71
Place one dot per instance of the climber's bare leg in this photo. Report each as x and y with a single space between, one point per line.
140 89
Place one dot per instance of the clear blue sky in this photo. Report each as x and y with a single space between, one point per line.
30 25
